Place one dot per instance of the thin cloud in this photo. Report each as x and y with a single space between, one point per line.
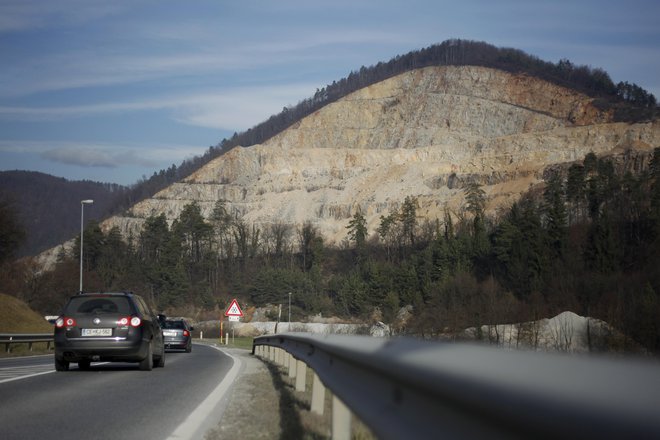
22 15
103 155
83 157
235 109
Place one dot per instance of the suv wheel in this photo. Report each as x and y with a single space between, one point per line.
147 364
159 361
61 365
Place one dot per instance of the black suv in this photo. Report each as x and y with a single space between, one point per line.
114 327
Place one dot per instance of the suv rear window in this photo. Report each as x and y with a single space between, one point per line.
174 325
100 305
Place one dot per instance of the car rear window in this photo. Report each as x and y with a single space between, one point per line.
174 325
99 305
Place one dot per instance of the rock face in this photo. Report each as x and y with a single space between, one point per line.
423 133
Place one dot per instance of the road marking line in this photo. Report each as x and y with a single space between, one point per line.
188 428
25 377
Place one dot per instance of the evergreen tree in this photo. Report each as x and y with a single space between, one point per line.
555 214
12 233
575 192
475 198
357 229
408 218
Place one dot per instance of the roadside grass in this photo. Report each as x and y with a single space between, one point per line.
243 343
17 317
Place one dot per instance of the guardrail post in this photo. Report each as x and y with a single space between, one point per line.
292 366
301 376
318 395
341 420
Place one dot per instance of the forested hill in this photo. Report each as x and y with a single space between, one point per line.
629 102
48 207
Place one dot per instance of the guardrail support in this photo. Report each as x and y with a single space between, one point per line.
292 366
318 395
301 376
341 420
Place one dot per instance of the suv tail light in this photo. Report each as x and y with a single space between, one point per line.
186 333
64 321
134 321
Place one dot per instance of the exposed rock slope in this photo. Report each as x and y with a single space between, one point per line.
422 133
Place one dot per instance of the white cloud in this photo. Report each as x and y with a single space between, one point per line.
103 155
234 109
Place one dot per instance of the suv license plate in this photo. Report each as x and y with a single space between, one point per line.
97 332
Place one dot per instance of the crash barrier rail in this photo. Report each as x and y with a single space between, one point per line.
408 388
25 338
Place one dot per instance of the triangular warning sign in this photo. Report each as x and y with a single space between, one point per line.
233 309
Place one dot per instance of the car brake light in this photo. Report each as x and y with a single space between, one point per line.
65 322
135 321
186 333
123 321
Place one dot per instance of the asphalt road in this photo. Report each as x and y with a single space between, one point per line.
114 400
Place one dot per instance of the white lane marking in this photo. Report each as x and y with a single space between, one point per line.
18 373
187 429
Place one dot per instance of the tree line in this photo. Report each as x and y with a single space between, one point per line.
588 242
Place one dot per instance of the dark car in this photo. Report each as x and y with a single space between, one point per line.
176 333
108 327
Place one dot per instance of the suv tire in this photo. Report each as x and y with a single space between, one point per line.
159 361
147 364
61 365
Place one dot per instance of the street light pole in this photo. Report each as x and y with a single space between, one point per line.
82 209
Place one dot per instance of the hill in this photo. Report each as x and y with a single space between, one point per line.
621 102
426 133
17 317
466 194
49 207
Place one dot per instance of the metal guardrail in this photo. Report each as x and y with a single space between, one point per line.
407 388
25 338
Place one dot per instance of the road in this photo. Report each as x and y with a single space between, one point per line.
114 400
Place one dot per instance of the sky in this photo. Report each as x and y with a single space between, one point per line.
113 91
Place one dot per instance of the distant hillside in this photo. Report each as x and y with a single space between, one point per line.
49 207
627 102
51 219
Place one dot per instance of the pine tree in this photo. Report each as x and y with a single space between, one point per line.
555 214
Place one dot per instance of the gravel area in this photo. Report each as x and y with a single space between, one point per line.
253 408
263 404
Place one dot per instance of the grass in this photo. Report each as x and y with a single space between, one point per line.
244 343
17 317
